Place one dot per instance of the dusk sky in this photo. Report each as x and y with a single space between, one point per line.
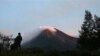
27 15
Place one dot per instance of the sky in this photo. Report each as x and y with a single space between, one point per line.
28 15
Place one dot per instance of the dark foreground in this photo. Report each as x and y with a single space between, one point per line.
38 52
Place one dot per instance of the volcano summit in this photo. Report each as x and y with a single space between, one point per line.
52 38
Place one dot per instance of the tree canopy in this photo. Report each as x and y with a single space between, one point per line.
90 32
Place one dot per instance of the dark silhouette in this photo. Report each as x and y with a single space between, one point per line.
17 42
86 32
90 33
97 28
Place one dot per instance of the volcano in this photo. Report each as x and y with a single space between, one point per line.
49 39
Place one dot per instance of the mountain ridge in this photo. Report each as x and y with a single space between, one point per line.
48 40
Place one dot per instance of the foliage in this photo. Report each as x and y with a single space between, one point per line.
5 41
89 34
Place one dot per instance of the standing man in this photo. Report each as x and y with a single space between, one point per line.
17 42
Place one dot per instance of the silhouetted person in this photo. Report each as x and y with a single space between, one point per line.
17 42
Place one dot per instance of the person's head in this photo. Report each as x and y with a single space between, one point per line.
19 34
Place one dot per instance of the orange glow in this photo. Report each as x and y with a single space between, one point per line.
51 29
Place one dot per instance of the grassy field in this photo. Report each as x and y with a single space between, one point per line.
38 52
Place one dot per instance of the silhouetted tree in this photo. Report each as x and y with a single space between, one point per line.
1 44
17 42
87 33
97 31
90 33
5 41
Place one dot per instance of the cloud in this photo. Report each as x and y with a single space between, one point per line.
72 34
50 28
